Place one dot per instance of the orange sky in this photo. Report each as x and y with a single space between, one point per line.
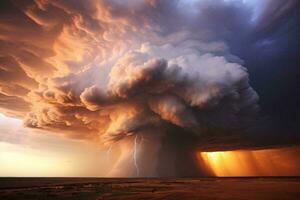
26 152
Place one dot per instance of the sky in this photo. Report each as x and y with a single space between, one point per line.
149 88
31 153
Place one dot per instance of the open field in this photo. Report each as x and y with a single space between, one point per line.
145 188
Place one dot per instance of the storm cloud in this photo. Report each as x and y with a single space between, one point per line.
157 78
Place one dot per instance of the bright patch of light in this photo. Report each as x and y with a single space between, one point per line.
267 162
21 161
4 120
29 152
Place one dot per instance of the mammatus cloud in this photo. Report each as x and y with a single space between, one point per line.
129 73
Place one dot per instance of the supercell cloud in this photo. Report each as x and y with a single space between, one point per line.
157 78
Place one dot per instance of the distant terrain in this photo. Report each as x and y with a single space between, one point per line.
149 188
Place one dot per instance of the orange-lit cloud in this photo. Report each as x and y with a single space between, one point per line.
91 67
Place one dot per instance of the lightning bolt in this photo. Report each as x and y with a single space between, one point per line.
135 155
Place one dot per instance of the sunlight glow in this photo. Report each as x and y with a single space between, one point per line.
270 162
19 161
30 153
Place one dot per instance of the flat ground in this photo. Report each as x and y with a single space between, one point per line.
143 188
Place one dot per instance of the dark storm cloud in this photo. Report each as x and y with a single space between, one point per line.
271 53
